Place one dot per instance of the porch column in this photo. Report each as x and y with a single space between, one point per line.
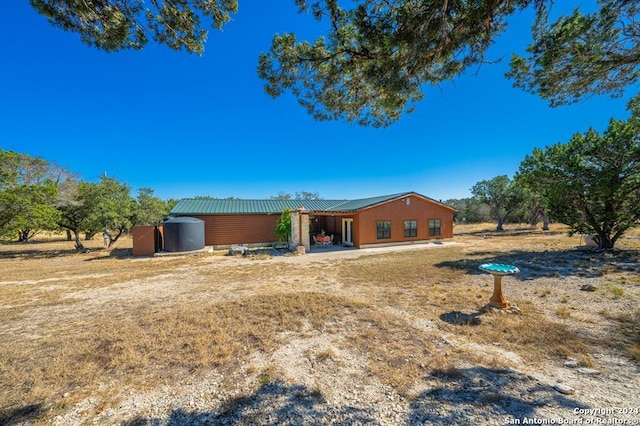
305 221
294 239
300 229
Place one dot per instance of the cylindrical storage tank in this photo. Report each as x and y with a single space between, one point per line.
183 234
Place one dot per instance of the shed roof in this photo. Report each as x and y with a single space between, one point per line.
214 206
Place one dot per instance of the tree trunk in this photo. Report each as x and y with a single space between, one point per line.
23 236
604 241
545 222
114 238
533 216
89 235
68 235
79 246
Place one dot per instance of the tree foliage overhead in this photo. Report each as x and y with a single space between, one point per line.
372 64
114 25
592 183
581 55
377 55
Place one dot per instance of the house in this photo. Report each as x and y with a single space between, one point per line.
404 218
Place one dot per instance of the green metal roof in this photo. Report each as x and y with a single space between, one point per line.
215 206
352 205
219 206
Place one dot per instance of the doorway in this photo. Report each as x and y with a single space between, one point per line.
347 231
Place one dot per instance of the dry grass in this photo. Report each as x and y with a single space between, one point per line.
629 325
154 345
75 325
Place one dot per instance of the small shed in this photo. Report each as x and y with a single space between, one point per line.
147 240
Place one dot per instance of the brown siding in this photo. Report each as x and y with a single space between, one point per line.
397 211
334 225
330 224
357 238
144 240
226 230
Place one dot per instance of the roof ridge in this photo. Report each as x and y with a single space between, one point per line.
389 196
263 199
263 206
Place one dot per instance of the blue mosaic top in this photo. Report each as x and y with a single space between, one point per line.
499 269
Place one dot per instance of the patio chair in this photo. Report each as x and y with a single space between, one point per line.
329 241
324 241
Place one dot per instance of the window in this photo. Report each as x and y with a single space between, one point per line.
384 230
410 228
434 227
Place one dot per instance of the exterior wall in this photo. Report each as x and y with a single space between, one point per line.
317 223
146 240
227 230
356 237
330 224
256 229
333 225
397 211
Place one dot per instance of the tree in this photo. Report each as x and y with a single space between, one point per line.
28 187
302 195
74 209
501 195
469 210
149 209
305 195
105 206
592 183
111 208
171 203
281 196
581 55
35 205
534 204
377 55
126 24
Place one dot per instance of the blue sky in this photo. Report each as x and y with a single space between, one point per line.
186 125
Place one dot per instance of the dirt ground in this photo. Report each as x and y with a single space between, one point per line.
377 336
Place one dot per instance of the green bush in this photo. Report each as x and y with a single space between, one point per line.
283 226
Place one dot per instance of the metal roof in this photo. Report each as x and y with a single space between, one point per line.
222 206
352 205
216 206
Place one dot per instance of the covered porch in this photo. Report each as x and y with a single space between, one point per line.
340 226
